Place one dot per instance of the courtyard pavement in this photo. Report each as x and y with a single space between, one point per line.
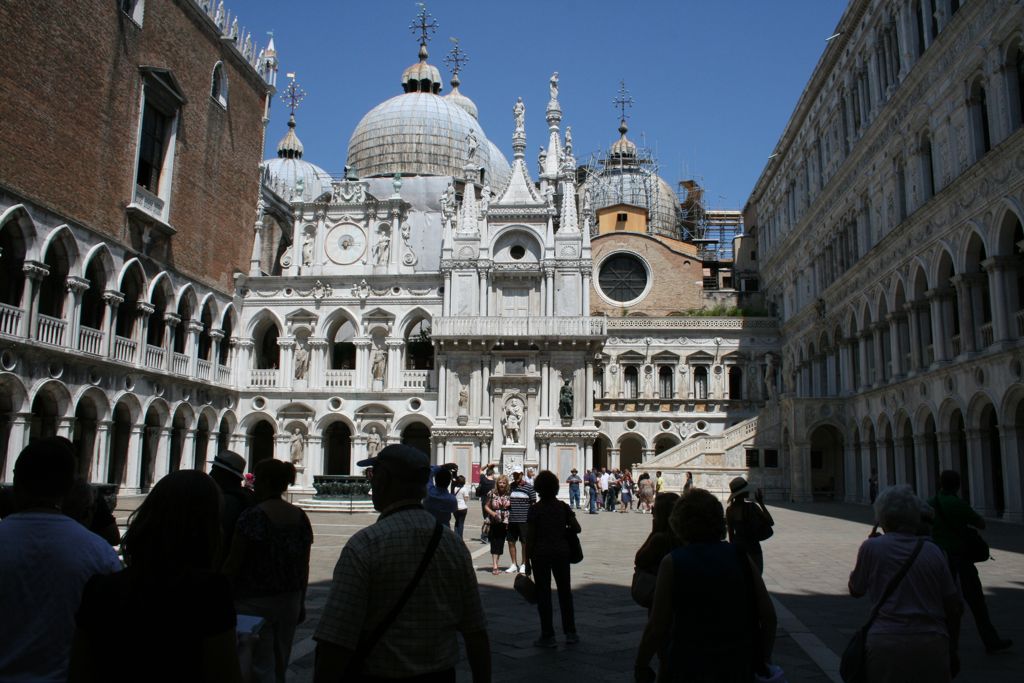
807 564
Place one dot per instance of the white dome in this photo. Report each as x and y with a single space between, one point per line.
421 133
286 173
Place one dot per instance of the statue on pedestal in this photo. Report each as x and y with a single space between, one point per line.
463 399
512 421
565 401
373 443
769 377
301 362
297 447
379 364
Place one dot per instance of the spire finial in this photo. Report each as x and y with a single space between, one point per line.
425 25
455 59
292 95
623 101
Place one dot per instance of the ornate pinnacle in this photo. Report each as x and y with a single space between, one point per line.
293 94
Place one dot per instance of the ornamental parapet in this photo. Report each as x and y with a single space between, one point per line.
474 327
693 323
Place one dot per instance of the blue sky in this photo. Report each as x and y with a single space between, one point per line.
714 82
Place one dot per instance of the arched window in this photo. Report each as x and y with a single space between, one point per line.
631 381
185 312
93 308
52 290
12 262
979 119
205 342
343 351
219 85
267 352
928 174
227 326
419 350
666 387
131 290
700 382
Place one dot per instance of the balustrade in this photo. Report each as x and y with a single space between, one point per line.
223 374
10 318
50 330
986 335
203 369
955 343
124 349
179 363
154 357
264 377
90 341
417 379
521 326
339 378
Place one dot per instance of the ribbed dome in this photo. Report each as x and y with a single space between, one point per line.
288 171
457 98
421 133
637 186
623 148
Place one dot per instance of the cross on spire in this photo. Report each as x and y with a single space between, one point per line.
456 58
623 100
293 94
424 24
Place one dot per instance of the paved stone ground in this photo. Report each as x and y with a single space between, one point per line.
807 564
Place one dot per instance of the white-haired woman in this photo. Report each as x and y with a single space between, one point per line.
914 635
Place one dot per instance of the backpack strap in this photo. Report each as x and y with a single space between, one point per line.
894 582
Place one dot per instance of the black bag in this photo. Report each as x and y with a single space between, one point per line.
852 665
642 587
975 547
572 539
760 528
525 586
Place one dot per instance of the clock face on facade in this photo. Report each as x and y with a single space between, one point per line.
345 244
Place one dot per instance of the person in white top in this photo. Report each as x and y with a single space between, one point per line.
603 482
461 494
528 477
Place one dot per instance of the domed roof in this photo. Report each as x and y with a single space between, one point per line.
623 148
420 133
457 98
294 178
637 186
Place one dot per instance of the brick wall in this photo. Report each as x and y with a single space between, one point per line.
675 271
70 92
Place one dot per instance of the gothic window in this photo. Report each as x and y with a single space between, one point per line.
979 120
343 350
267 352
419 350
219 85
623 278
227 326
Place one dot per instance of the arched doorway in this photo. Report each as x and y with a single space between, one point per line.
992 461
223 436
827 477
601 447
337 449
417 435
905 446
929 484
664 442
178 427
202 442
120 436
631 451
261 443
45 414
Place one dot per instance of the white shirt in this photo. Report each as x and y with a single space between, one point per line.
45 561
461 495
604 481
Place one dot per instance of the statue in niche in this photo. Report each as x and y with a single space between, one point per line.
519 112
307 251
448 202
565 400
463 399
553 86
382 249
297 447
374 443
769 377
471 146
379 364
301 362
512 421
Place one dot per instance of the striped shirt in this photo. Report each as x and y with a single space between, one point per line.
523 497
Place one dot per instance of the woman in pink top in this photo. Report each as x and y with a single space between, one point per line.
498 504
914 637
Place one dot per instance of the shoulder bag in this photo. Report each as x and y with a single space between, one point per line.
367 644
975 547
852 667
572 538
642 587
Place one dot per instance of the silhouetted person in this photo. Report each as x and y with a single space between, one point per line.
748 522
46 558
952 517
228 471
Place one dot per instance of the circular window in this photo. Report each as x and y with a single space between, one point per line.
259 403
129 383
702 425
623 278
415 404
335 403
666 425
630 424
8 360
517 251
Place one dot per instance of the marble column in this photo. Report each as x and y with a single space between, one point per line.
132 473
545 391
73 309
21 431
362 380
171 322
850 472
910 311
192 329
981 499
393 377
101 452
944 442
1003 295
895 349
141 330
485 388
112 299
286 370
964 297
938 332
442 387
318 349
1008 449
34 272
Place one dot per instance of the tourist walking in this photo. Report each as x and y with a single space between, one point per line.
484 487
269 567
591 481
522 497
426 590
645 487
168 616
549 520
496 508
462 504
749 523
916 615
950 529
46 558
574 480
626 484
710 605
688 484
659 482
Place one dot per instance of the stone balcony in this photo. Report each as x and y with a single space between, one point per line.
524 327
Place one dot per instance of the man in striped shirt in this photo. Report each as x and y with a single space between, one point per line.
523 497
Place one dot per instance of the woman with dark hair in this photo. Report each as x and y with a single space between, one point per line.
659 543
168 616
547 523
496 507
710 606
269 567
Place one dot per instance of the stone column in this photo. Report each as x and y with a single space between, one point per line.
1003 294
883 464
73 309
962 283
143 310
192 329
549 287
1008 448
876 340
242 364
646 454
112 299
134 457
586 292
944 442
34 274
318 347
188 451
800 474
393 378
485 388
21 428
446 302
981 500
545 391
161 454
171 322
850 472
925 484
895 350
587 394
362 375
442 387
313 461
613 458
938 333
862 352
915 339
286 371
588 457
101 452
216 339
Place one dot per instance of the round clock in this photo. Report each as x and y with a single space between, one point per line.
345 244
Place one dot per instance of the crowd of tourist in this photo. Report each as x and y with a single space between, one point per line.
203 549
